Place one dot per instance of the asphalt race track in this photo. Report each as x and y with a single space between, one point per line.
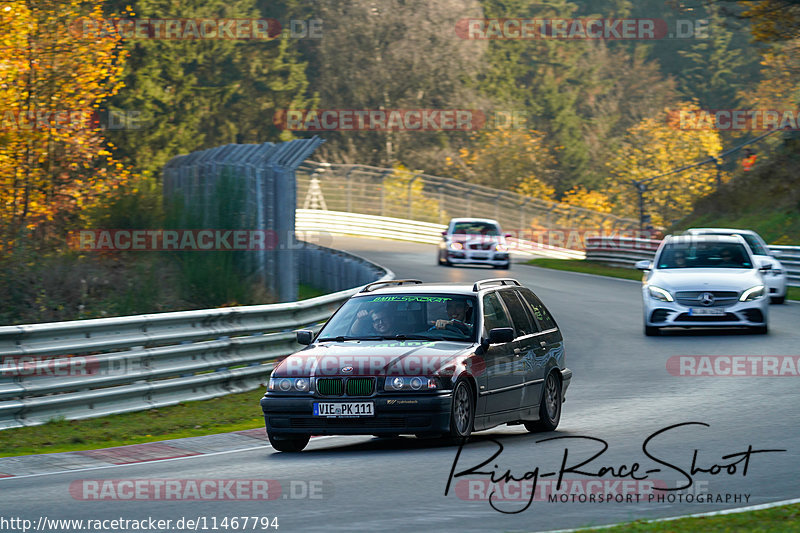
621 393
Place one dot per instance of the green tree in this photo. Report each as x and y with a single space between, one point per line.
199 93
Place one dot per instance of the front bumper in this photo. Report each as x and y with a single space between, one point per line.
776 285
394 414
478 257
672 314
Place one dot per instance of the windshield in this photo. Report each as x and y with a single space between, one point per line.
403 317
476 228
751 240
754 245
704 255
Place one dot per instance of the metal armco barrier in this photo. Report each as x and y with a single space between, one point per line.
789 256
342 223
89 368
620 251
625 252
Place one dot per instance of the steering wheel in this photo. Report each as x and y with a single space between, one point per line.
456 326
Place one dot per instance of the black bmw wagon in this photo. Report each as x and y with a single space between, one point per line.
406 357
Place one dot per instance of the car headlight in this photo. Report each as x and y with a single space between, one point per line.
409 384
288 385
456 246
753 293
657 293
500 248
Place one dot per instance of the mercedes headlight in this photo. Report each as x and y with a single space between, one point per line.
753 293
657 293
456 246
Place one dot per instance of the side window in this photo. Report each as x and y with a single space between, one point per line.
494 316
540 312
522 322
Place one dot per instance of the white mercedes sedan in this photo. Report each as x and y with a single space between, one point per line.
704 281
777 279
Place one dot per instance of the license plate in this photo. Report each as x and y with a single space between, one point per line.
706 311
343 409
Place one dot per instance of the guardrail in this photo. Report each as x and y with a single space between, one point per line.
789 256
625 252
90 368
343 223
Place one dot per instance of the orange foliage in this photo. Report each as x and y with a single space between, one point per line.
54 163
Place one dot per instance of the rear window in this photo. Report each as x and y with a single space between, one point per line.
494 316
519 316
540 312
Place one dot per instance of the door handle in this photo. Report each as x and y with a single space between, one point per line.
517 352
543 344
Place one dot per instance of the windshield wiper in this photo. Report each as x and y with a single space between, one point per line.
458 339
342 338
403 337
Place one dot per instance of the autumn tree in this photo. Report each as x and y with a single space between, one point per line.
656 146
54 162
391 54
508 158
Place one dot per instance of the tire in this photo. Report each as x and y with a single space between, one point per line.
651 331
550 406
288 443
761 330
507 266
462 411
777 299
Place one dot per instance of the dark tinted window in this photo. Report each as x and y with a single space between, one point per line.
494 316
754 245
540 312
704 254
519 316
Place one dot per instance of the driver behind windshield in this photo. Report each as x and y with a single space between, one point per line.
457 317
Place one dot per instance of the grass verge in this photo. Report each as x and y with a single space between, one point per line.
777 519
587 267
234 412
592 267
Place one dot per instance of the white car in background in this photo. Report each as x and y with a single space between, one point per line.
475 241
704 281
776 278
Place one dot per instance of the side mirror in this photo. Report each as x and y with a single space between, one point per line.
644 265
765 266
508 235
444 234
777 254
304 336
500 335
